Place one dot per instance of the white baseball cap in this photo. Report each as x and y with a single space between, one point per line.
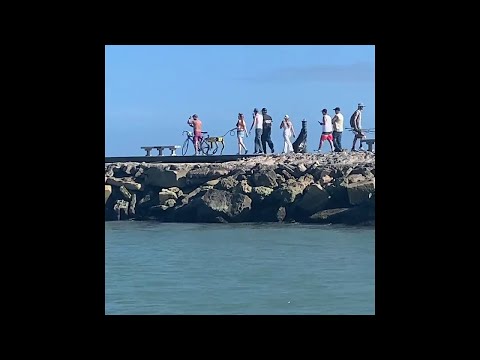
286 117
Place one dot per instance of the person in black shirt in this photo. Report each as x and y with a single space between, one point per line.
267 131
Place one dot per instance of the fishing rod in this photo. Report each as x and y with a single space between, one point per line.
363 130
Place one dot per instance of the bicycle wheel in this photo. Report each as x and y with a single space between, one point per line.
204 147
214 151
185 147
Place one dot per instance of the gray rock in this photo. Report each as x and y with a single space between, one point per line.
125 193
165 194
232 207
133 203
265 178
360 192
242 187
121 209
139 172
170 202
127 182
259 193
108 192
314 198
327 215
204 174
149 200
165 178
354 178
281 213
227 183
287 175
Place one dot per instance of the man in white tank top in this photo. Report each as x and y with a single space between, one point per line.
326 130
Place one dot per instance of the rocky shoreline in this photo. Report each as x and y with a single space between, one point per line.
310 188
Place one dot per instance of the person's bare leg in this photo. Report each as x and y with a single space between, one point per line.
243 145
320 145
331 144
239 146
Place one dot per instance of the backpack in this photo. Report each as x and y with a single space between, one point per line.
352 120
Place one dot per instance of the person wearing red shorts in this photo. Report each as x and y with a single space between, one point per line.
327 130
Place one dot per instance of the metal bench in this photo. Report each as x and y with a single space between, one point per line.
369 142
172 148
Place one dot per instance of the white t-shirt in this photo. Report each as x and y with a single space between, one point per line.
338 123
259 121
327 123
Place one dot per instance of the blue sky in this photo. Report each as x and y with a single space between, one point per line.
150 91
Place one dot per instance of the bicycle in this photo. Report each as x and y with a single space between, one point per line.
203 145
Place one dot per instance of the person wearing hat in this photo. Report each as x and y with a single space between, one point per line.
267 131
326 130
356 125
288 131
258 123
337 122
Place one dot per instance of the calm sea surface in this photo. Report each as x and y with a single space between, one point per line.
161 268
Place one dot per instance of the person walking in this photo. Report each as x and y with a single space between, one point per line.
258 123
267 131
241 131
337 122
326 130
288 131
356 125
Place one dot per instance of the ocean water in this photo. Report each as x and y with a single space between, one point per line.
166 268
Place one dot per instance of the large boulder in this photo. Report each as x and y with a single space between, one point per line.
108 192
227 183
156 176
289 191
121 209
360 192
125 193
314 198
201 175
165 194
129 168
338 193
232 207
146 202
128 183
363 214
242 187
260 193
132 205
265 178
183 200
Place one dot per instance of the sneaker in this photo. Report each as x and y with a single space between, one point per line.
246 152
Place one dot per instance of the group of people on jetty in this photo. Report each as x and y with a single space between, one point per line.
332 129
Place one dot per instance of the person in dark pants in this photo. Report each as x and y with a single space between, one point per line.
267 131
258 124
337 122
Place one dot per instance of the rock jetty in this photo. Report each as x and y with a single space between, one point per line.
310 188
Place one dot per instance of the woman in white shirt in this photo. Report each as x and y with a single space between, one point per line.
288 131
